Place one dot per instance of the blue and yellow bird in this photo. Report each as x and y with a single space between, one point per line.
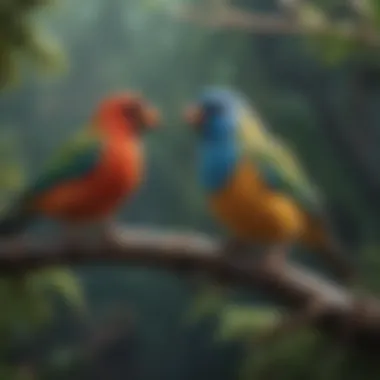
254 183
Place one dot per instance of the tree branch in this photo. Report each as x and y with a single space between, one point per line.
233 18
293 286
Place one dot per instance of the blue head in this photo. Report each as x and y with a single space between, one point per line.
215 117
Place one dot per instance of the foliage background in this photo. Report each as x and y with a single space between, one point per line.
320 93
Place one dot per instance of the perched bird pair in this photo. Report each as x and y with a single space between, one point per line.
255 186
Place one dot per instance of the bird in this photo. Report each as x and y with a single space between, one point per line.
93 173
254 184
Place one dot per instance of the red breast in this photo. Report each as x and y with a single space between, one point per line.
102 191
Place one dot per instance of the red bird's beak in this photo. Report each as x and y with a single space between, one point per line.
193 115
150 117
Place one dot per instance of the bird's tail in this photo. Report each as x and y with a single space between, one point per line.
338 258
15 220
322 238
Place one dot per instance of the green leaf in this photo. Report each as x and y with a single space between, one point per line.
332 49
310 15
209 301
293 355
47 54
64 358
374 6
239 322
63 283
11 178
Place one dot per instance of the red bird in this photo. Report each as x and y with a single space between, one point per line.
94 172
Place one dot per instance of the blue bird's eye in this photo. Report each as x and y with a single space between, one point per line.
213 109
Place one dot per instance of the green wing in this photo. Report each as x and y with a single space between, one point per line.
282 172
75 159
277 164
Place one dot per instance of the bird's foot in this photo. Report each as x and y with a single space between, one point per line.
234 251
72 241
80 237
233 246
237 250
109 233
275 259
88 237
99 234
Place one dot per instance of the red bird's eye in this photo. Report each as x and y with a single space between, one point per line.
132 112
138 113
141 115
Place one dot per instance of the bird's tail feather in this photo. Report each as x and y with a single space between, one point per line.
323 238
13 224
342 238
15 220
336 256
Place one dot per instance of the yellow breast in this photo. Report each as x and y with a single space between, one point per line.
250 210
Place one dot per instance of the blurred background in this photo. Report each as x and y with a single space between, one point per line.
312 70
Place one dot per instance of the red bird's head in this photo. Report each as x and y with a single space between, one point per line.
126 114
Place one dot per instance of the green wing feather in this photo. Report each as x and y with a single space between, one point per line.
277 164
283 173
75 159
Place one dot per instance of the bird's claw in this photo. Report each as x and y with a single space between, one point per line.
234 247
71 244
110 234
275 259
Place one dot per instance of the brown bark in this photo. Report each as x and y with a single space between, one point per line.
293 286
